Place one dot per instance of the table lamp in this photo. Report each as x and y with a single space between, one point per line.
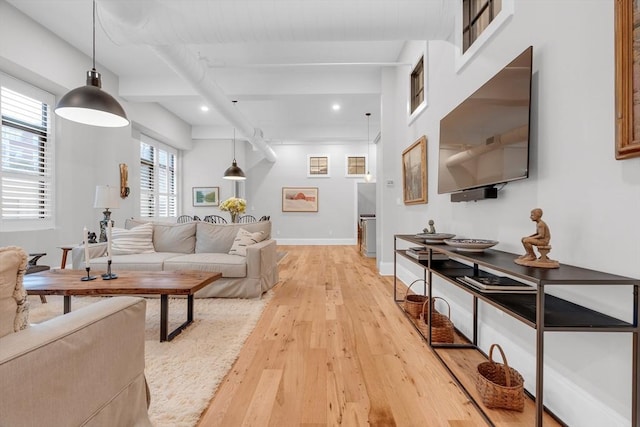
107 197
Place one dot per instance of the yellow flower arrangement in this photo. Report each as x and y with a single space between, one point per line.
234 205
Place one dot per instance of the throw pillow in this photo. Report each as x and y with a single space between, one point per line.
138 240
244 239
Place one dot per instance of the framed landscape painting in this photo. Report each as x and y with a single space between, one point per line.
414 173
299 199
627 55
206 196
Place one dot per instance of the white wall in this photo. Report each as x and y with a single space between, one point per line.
335 221
590 200
86 156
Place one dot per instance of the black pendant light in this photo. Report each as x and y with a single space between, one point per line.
234 172
89 104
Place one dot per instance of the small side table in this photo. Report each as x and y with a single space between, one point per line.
65 251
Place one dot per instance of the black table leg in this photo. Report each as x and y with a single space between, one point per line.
67 304
164 318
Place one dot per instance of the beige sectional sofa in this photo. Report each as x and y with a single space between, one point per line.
84 368
199 246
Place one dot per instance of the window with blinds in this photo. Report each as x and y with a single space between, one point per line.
158 179
26 157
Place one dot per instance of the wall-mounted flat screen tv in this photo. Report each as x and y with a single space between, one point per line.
485 140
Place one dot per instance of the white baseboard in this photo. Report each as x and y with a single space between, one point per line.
316 242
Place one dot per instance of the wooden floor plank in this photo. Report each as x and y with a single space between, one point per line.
332 348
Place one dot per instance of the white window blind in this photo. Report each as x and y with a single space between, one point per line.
158 179
26 157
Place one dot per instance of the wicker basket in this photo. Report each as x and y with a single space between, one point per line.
441 328
499 385
413 302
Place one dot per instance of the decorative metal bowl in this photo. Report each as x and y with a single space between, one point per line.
470 245
434 238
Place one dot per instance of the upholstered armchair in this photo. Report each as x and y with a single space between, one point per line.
14 307
82 368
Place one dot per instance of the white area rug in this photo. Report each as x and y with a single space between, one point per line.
183 374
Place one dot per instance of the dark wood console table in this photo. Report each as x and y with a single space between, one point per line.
538 310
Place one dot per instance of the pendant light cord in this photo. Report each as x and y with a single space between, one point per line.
94 35
368 153
234 101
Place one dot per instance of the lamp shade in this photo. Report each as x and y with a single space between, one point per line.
107 197
234 172
91 105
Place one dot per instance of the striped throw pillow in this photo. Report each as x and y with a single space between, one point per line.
244 239
138 240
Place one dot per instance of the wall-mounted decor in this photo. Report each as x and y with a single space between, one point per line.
124 181
627 88
318 166
206 196
299 199
356 165
414 172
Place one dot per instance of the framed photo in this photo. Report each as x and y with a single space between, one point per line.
318 166
206 196
356 165
414 173
299 199
627 54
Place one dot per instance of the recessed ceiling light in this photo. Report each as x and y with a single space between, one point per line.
204 108
335 107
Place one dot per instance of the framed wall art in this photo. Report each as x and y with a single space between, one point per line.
356 165
318 166
414 173
206 196
299 199
627 55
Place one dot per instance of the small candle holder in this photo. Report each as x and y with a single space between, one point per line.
108 275
88 276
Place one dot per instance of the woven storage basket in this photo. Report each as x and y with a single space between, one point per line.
442 326
413 302
499 385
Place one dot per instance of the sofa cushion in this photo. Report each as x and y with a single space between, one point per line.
149 262
218 238
177 238
14 307
244 239
170 237
138 240
228 265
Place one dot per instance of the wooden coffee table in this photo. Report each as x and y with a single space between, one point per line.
164 283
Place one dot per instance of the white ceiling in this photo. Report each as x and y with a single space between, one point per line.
285 61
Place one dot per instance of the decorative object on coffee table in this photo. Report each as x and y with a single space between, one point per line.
107 197
540 239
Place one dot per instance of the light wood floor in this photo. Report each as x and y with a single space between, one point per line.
332 348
